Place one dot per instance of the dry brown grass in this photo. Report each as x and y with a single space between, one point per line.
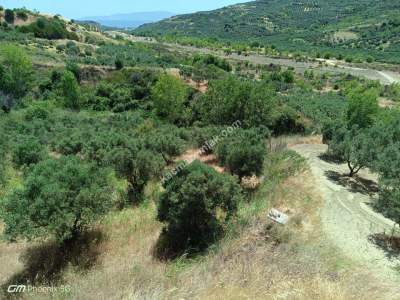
261 260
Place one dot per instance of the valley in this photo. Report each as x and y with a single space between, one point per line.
145 163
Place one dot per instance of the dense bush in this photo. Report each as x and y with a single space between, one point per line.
60 198
230 100
22 14
137 165
170 96
9 16
196 206
3 158
15 71
351 146
28 151
70 90
52 29
362 107
243 153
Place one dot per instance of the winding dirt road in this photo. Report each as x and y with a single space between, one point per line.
319 66
335 67
347 218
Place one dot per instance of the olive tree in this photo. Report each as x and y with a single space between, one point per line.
170 95
60 198
362 107
70 90
137 165
15 74
243 153
9 16
354 147
388 166
28 151
196 205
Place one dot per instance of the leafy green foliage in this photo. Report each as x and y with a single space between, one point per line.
243 153
119 64
385 137
230 100
15 71
3 156
60 197
70 90
362 107
28 151
170 95
196 205
51 29
351 146
321 108
9 16
137 165
321 26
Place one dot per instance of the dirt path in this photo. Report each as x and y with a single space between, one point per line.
347 218
385 77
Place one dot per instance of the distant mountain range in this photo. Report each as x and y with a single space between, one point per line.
131 20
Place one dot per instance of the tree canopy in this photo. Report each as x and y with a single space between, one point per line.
15 71
196 205
60 197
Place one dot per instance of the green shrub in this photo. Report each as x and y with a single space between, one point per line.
230 100
196 206
70 90
3 158
60 198
119 64
22 14
15 71
135 164
29 151
243 153
37 111
51 29
9 16
170 95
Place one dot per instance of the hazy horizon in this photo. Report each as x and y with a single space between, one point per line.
75 9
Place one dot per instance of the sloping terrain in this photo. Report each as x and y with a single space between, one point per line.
363 27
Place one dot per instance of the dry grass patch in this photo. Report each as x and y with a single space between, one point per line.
257 260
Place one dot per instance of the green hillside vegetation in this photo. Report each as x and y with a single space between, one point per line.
357 30
92 127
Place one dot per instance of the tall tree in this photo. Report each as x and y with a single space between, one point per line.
15 71
363 107
170 95
70 90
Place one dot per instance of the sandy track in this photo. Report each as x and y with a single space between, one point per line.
348 221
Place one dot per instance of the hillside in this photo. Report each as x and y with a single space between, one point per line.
346 27
137 169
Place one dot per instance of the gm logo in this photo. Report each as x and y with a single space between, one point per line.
12 289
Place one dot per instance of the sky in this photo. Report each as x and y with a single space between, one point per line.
84 8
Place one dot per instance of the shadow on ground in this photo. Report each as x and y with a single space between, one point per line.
168 247
388 242
44 263
354 184
329 158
